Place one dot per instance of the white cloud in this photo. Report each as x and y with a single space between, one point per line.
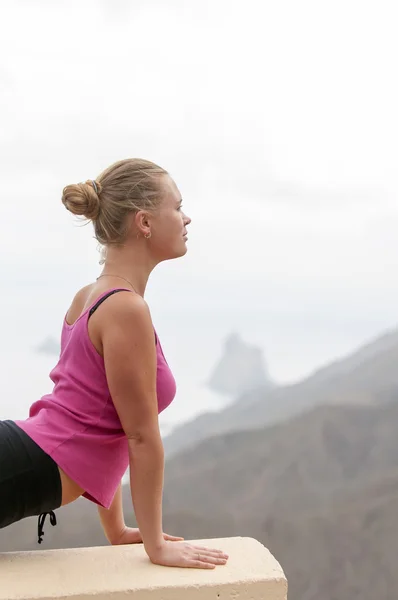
278 121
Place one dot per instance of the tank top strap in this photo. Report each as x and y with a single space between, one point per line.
103 297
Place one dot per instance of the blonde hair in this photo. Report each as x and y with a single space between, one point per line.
125 187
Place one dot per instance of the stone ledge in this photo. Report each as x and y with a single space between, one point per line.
122 572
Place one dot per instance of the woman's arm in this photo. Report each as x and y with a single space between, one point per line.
129 351
112 520
115 529
128 342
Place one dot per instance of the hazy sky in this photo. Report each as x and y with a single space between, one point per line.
278 121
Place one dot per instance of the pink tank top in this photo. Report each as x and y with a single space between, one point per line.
77 424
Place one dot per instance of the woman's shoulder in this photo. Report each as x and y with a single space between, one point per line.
83 295
89 294
121 303
79 301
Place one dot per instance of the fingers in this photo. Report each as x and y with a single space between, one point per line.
211 551
203 558
204 549
198 564
206 562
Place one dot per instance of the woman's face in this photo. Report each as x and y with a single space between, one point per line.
168 224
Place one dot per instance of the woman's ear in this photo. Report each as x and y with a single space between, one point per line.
141 222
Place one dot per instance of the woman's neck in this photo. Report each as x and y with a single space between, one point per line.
134 267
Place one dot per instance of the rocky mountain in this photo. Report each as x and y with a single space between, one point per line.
319 490
241 369
300 464
353 379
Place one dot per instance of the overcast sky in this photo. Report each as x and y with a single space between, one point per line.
278 121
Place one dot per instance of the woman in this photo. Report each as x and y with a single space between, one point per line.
112 378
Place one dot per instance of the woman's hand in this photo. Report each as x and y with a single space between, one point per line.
182 554
131 535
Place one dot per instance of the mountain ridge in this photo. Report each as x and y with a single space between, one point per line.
353 378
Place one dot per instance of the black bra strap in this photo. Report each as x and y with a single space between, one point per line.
101 300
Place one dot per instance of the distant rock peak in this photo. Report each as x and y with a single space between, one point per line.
241 369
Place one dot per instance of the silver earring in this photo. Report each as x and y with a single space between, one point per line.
147 235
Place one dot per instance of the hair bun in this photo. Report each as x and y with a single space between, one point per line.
83 199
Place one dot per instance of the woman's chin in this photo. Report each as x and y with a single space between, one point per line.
183 249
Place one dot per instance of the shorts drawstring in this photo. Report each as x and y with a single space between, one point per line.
40 525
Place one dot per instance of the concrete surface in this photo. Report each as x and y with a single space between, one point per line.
122 572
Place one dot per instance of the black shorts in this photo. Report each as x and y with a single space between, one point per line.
30 484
